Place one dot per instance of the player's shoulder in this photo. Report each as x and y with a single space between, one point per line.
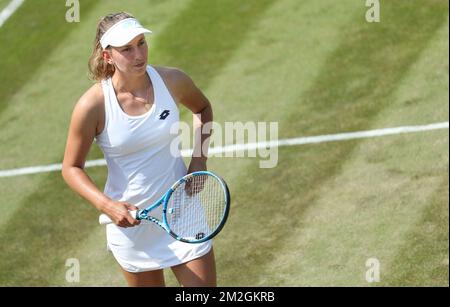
171 73
90 106
175 79
92 99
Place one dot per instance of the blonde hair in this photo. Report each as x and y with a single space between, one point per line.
98 68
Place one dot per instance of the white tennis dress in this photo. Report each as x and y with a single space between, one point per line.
141 168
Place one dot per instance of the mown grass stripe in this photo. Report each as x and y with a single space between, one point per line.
355 85
27 39
37 238
203 37
423 258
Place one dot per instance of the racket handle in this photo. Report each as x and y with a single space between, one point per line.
104 219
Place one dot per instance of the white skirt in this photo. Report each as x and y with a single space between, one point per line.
148 247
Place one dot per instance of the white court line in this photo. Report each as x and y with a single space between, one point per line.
253 146
9 10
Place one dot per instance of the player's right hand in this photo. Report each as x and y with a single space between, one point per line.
118 212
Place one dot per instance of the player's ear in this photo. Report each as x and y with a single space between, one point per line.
107 56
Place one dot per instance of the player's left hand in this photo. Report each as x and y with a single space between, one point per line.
195 166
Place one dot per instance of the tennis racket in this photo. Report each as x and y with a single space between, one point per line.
194 209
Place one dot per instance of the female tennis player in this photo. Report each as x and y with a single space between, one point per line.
129 112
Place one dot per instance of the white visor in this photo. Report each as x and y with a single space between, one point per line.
122 33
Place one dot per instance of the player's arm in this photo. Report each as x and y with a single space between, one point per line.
187 93
82 130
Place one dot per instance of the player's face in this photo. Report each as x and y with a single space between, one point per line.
131 58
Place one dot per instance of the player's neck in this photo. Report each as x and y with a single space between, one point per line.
129 83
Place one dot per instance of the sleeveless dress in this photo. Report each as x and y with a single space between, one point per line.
143 161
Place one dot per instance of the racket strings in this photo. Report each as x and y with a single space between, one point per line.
196 207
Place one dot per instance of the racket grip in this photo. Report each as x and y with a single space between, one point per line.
103 219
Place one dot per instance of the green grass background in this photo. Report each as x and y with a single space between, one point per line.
315 67
4 3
